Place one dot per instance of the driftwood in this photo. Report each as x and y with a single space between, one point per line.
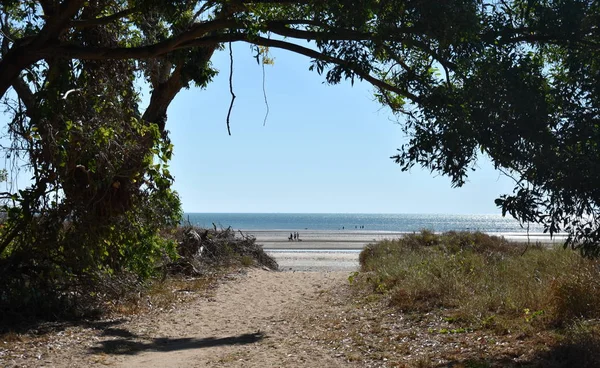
201 250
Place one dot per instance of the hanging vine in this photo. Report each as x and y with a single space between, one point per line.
230 88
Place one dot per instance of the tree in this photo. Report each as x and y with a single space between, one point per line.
516 80
528 98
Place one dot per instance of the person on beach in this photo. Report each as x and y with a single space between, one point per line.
294 235
291 237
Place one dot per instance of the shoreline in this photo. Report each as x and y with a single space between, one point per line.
358 239
338 250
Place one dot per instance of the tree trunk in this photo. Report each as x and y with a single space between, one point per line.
162 95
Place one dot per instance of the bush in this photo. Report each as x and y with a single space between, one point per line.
47 290
482 280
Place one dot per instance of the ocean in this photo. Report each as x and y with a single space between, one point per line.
360 222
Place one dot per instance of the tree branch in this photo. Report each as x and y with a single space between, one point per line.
165 91
320 56
103 20
21 56
57 22
101 53
547 39
162 95
277 2
195 33
279 27
24 94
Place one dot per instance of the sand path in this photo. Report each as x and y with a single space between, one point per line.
261 319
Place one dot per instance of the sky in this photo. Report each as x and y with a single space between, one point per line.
323 149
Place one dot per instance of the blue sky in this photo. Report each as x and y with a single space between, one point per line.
323 149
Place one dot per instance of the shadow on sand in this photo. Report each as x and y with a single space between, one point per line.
41 327
126 346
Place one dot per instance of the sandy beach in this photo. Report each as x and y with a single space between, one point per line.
324 250
320 239
318 250
315 261
351 239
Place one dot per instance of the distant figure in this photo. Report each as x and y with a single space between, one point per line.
342 228
298 236
294 235
291 237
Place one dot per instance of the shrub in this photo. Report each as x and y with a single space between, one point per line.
485 280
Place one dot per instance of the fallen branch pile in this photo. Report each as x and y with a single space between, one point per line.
201 250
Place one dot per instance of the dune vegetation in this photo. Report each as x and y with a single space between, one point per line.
473 282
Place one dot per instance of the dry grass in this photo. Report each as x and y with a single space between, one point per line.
11 337
163 294
484 281
475 282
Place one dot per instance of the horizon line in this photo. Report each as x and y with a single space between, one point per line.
342 213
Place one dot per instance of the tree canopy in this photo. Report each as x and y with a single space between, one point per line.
514 80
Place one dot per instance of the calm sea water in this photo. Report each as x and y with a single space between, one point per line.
371 222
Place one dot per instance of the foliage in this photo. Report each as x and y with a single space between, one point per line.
100 189
528 100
